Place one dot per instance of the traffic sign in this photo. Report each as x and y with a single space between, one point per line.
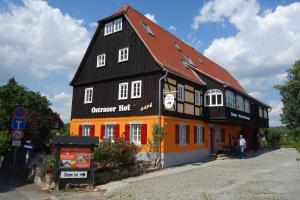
73 174
18 123
16 143
19 113
17 134
28 144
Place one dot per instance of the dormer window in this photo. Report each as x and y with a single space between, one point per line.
108 28
188 60
148 29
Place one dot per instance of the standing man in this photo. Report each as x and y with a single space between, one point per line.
242 146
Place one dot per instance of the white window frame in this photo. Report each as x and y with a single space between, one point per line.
182 134
108 134
120 96
88 95
213 93
230 99
200 139
260 111
247 106
123 54
108 28
136 138
86 130
197 98
118 25
180 92
101 60
133 89
240 105
147 28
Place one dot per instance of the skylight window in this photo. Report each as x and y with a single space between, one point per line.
177 46
200 60
148 29
188 60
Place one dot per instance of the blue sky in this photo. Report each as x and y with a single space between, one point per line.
42 42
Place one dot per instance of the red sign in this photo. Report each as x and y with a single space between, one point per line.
17 134
75 158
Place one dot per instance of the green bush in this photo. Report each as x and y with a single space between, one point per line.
50 161
5 142
115 153
274 136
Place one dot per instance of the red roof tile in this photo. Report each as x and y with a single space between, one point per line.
163 49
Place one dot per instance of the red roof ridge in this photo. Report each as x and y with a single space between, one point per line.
123 9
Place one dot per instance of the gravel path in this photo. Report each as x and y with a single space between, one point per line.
272 175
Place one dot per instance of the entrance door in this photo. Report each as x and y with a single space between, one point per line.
212 139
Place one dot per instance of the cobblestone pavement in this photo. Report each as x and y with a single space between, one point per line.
272 175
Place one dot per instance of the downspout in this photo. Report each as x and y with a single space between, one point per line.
159 107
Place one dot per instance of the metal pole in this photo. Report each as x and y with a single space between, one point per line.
159 108
14 163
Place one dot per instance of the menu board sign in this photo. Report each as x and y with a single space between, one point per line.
74 158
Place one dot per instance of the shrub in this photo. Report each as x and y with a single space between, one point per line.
274 136
50 161
115 153
5 142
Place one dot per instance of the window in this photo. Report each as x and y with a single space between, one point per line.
177 46
188 60
86 130
260 111
123 54
266 113
147 28
136 89
247 106
108 28
109 131
197 98
135 133
240 103
118 25
101 60
88 95
180 92
182 133
123 91
230 99
213 97
200 139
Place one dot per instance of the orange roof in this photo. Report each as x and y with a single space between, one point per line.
163 49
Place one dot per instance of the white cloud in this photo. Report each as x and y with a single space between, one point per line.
62 103
172 28
36 39
274 115
264 46
151 17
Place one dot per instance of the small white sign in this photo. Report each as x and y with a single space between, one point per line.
16 143
73 174
169 101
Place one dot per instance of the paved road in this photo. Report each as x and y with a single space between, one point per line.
272 175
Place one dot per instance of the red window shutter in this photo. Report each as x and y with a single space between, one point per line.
117 131
177 134
187 134
144 134
92 130
203 134
195 134
127 131
80 130
102 133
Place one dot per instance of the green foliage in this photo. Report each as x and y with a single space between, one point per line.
158 134
62 131
38 113
115 153
274 136
5 142
290 92
50 161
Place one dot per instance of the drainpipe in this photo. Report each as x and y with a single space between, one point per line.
159 107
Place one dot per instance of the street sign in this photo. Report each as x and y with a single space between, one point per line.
18 123
16 143
28 146
19 113
73 174
17 134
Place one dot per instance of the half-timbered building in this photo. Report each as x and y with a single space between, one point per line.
135 74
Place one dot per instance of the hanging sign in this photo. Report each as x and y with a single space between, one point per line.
169 101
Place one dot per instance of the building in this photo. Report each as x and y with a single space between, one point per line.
132 65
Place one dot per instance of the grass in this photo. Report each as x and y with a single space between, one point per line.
291 142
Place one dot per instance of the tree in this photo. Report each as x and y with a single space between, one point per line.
290 92
39 120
